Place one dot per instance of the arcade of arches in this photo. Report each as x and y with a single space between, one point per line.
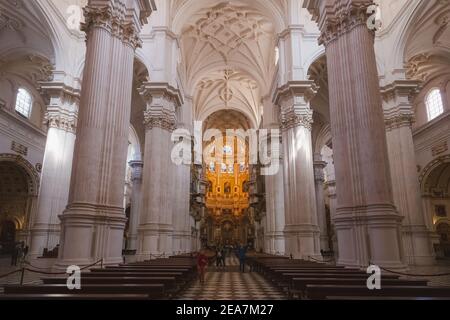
91 115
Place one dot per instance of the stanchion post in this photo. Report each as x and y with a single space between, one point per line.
22 275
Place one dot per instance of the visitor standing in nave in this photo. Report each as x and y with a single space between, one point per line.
202 262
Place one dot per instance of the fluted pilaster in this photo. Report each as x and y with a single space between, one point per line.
301 230
61 121
156 228
399 117
319 178
136 203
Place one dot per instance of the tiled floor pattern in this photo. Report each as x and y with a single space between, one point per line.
230 284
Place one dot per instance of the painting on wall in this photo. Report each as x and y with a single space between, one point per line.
441 211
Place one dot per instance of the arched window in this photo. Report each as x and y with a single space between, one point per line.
434 104
24 102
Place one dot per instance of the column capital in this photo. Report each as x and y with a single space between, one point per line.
137 166
401 88
337 17
319 166
294 98
162 102
62 105
121 21
331 189
397 103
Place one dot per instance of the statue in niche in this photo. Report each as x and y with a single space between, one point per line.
245 186
210 186
227 188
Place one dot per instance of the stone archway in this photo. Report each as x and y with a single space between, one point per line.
19 183
435 188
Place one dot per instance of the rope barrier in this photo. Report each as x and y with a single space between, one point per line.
10 273
34 267
43 272
415 275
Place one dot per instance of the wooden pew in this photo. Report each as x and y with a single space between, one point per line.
299 285
321 292
171 286
182 277
153 291
100 297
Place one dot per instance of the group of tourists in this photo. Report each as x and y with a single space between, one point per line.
220 259
221 255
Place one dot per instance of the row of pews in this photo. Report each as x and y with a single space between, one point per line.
316 281
155 279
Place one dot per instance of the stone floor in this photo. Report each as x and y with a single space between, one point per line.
5 267
230 284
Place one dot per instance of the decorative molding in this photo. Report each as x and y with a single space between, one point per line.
62 109
294 98
19 148
33 178
336 18
439 149
227 27
60 118
10 23
430 167
407 88
136 174
398 97
443 22
319 174
114 20
162 102
425 66
295 118
395 119
306 89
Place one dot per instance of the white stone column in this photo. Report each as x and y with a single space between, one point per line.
399 117
94 221
181 214
275 216
182 187
367 223
155 232
301 230
319 178
61 119
274 222
136 203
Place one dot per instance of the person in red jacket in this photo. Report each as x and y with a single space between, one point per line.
202 262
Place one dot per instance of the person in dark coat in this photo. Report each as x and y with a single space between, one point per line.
242 254
14 255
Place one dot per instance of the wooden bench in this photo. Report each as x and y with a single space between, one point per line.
153 291
180 279
102 297
321 292
299 285
171 286
385 298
